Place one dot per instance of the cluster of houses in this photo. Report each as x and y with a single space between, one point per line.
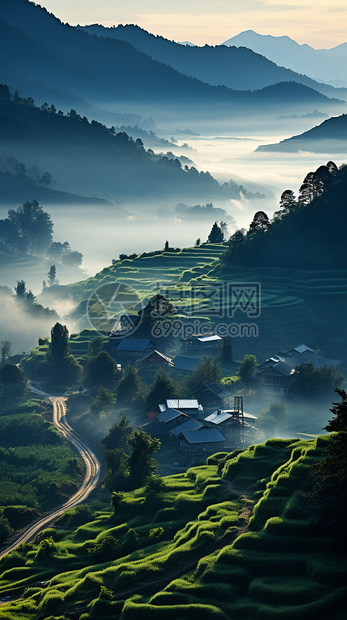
142 353
202 425
273 376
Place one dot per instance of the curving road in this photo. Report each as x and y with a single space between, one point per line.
90 481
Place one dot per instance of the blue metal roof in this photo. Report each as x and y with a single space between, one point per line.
185 363
190 425
134 344
203 435
169 415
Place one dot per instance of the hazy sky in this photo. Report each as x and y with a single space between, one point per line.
315 22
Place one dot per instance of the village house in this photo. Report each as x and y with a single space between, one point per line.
204 345
188 425
213 396
275 373
154 361
189 406
185 365
164 422
130 350
201 442
233 423
273 377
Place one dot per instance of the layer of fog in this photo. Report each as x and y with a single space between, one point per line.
22 328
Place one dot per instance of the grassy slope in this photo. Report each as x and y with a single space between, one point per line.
38 468
212 559
295 303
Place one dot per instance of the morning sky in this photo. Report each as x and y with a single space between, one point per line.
315 22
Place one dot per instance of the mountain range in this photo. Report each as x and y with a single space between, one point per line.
235 67
42 57
329 65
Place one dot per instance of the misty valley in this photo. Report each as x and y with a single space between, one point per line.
173 302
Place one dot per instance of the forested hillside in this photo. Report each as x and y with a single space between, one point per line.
88 156
328 137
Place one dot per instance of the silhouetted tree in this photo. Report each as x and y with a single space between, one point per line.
260 222
52 275
163 387
226 354
103 402
140 462
288 201
332 167
33 225
330 491
96 345
207 371
238 238
5 351
59 345
118 434
101 370
216 234
129 387
13 379
20 289
247 369
311 382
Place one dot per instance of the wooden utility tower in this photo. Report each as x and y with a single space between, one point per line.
239 419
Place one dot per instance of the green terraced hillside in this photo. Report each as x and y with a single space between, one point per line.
237 539
296 305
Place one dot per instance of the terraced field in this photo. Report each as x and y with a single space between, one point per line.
237 538
296 305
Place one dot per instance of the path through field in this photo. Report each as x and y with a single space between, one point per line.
89 483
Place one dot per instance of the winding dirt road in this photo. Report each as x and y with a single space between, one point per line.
90 481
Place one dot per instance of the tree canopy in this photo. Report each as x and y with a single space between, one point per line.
27 229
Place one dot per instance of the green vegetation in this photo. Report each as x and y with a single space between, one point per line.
37 466
245 544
